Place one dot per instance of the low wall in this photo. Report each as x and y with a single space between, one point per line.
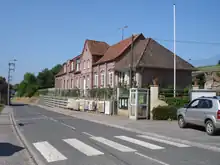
105 107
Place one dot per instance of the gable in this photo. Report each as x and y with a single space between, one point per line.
118 49
149 53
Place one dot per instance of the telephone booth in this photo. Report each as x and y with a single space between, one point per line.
138 103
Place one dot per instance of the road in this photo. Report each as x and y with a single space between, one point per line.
65 140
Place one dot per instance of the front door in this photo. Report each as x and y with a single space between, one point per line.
191 112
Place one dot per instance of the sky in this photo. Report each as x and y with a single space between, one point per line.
42 33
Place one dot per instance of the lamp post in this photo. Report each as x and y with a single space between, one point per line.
174 50
11 67
122 30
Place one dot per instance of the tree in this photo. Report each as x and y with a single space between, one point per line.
45 79
28 86
218 62
31 83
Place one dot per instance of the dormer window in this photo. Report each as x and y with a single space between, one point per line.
77 65
64 68
72 66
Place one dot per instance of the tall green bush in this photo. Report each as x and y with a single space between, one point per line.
164 113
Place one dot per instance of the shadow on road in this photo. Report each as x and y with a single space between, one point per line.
8 149
201 129
18 104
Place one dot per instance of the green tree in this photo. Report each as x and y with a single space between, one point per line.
28 86
45 79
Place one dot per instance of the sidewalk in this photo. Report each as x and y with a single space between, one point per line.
12 151
167 129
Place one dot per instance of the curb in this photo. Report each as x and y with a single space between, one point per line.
194 144
31 152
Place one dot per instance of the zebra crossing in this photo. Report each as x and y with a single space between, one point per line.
51 153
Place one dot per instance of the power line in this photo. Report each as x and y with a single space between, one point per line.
189 42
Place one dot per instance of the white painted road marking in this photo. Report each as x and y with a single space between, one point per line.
163 141
50 153
113 144
82 147
86 133
69 126
152 159
139 142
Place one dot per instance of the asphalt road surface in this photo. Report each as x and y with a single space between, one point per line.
64 140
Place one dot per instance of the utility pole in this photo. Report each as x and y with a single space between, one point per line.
131 63
174 50
122 31
11 67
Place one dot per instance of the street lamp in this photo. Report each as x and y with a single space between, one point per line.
174 50
122 30
11 67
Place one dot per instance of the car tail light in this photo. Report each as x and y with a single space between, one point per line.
218 114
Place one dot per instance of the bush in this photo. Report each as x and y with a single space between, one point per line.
177 102
1 107
164 113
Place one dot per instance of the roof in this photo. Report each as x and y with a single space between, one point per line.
116 50
97 47
76 57
60 73
149 53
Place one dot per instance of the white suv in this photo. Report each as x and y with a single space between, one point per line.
203 111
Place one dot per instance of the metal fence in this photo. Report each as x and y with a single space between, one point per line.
95 93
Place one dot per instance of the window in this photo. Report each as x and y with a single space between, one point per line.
72 66
96 80
71 83
67 84
84 65
103 79
77 83
204 103
88 83
88 63
110 79
64 84
64 68
77 65
194 104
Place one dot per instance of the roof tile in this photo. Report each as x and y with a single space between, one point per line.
116 50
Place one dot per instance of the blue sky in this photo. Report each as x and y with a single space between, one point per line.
42 33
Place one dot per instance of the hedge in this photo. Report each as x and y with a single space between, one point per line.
177 102
164 113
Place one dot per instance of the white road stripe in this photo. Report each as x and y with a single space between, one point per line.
82 147
50 153
69 126
163 141
113 144
139 142
86 133
152 159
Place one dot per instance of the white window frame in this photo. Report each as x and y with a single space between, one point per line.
64 68
110 75
96 80
88 63
84 65
72 66
77 65
102 80
77 82
87 82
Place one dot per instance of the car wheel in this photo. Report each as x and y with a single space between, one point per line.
181 122
210 127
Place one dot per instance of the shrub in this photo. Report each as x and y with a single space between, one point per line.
177 102
164 113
